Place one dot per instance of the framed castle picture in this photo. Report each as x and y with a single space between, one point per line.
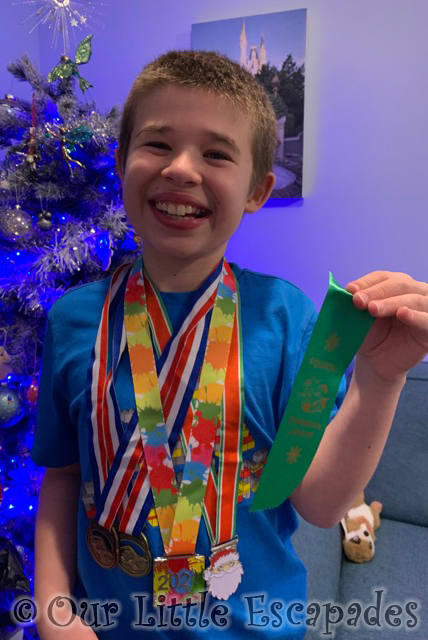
272 46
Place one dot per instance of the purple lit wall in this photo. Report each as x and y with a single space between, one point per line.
366 159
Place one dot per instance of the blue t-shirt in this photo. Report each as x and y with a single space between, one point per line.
277 320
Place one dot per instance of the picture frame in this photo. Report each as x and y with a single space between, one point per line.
272 46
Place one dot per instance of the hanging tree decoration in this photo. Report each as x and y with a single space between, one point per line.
5 359
10 105
44 221
68 67
16 224
12 408
44 217
32 154
66 147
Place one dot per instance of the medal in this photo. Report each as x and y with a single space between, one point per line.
103 545
135 557
178 580
224 574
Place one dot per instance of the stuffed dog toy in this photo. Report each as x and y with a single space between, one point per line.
359 525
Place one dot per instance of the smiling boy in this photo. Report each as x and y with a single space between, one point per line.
159 433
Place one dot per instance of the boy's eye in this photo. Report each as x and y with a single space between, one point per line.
217 155
158 145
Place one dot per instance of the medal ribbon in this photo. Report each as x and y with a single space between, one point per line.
338 333
104 424
179 511
222 489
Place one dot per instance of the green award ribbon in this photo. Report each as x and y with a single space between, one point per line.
338 333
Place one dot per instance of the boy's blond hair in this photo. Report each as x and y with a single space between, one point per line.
214 72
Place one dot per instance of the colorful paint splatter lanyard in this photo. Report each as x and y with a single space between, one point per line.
178 576
219 508
119 489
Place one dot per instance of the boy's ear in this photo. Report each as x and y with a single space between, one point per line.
260 193
118 158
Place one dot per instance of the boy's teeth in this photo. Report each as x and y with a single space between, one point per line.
177 210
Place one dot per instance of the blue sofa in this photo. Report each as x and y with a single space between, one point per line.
398 574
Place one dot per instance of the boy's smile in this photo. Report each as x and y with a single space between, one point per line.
187 178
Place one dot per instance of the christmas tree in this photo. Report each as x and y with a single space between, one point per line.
62 223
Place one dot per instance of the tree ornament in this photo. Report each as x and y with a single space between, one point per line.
44 220
4 182
32 392
104 249
13 581
68 67
79 135
11 406
16 224
31 156
8 104
5 363
65 147
62 16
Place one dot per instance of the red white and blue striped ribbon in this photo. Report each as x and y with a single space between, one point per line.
116 453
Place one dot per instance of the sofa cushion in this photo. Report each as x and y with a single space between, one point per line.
321 552
401 479
399 573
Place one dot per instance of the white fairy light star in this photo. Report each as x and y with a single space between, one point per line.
62 16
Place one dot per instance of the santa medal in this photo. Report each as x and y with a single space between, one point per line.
178 580
224 574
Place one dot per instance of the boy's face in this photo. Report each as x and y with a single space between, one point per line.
190 152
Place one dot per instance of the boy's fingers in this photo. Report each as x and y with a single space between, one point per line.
369 280
415 319
390 306
396 285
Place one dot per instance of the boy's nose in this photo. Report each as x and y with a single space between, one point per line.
182 168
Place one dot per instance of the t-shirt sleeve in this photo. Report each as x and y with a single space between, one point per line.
55 438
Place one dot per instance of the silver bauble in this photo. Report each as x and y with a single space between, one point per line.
16 224
11 406
9 105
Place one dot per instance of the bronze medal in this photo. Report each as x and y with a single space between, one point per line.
135 557
103 545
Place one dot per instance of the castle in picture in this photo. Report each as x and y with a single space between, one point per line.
256 59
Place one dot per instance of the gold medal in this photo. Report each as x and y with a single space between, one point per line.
178 580
103 545
135 558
